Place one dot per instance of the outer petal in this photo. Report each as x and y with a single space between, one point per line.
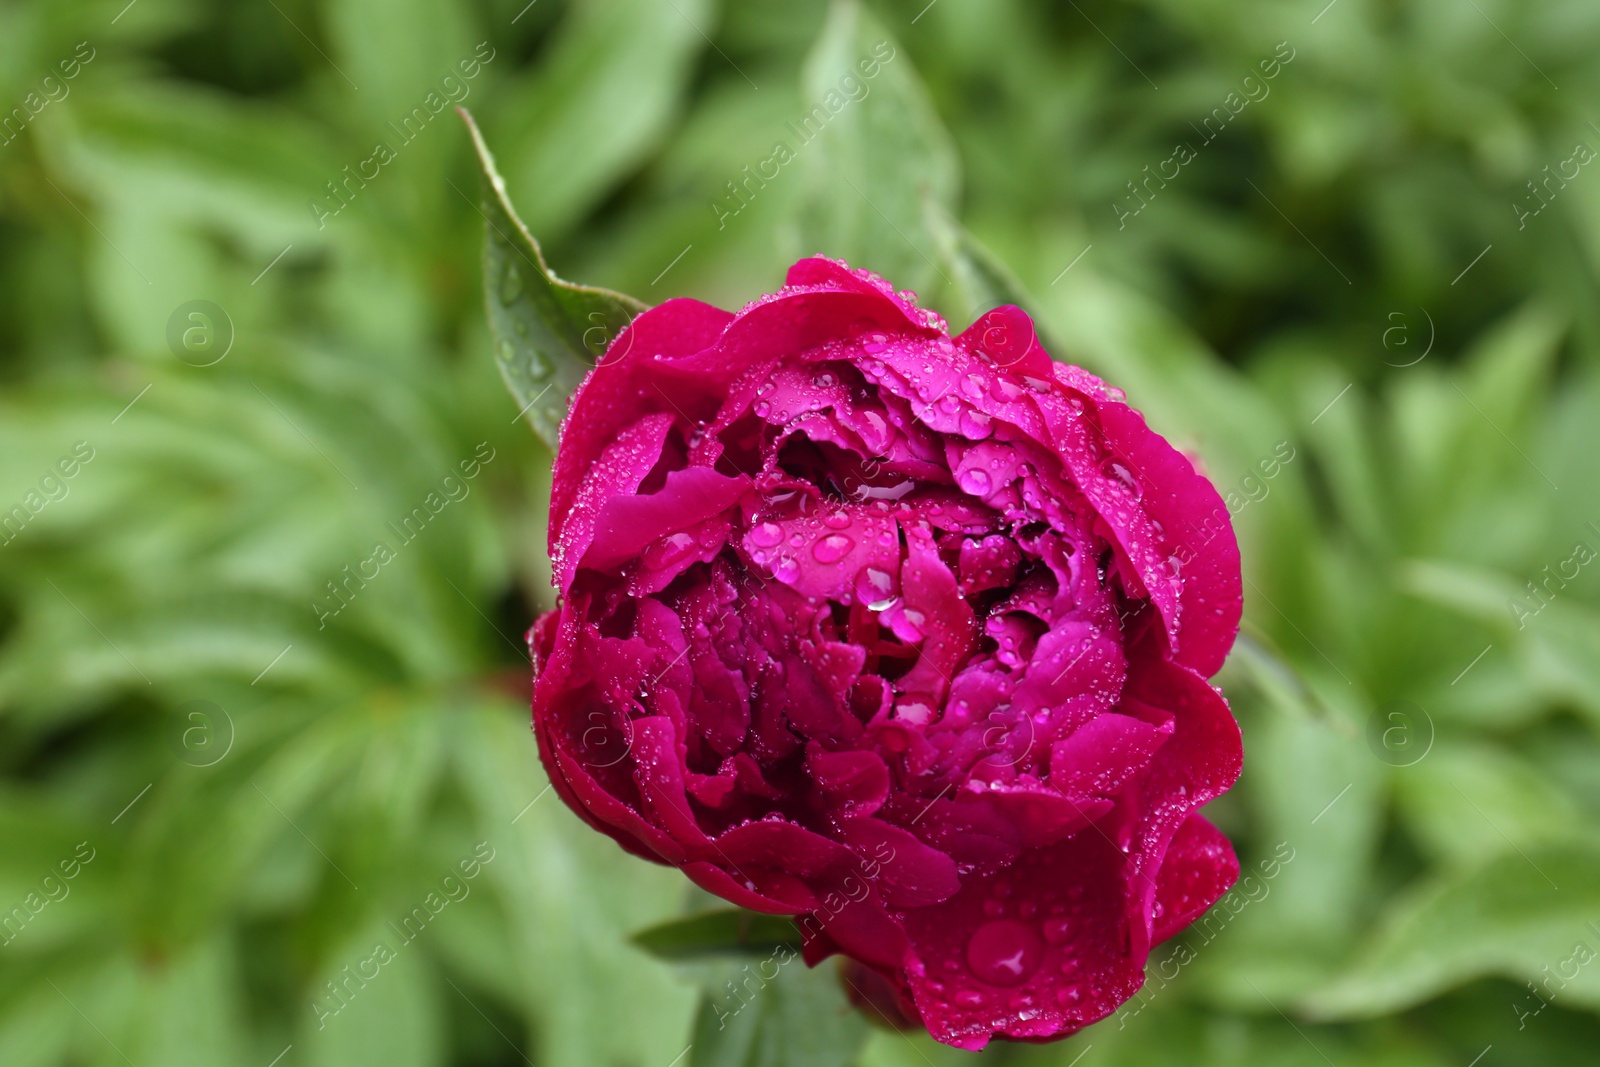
1200 533
1199 867
629 383
1036 952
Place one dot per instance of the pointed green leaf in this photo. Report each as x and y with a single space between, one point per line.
547 332
724 931
979 281
874 145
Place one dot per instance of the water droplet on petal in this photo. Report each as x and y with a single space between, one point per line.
1122 476
1005 390
916 621
1057 931
1004 952
833 548
670 550
973 481
766 534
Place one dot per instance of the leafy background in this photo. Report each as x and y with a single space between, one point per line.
1344 274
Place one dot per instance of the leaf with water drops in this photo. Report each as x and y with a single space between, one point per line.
548 333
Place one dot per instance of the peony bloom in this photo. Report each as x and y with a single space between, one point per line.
901 634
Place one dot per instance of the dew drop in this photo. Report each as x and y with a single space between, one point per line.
974 481
1005 390
1004 952
873 585
976 425
833 548
1122 476
670 550
510 284
766 534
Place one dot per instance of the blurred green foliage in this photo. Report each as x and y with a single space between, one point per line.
255 781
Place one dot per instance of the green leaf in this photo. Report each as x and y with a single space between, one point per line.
568 895
1514 916
725 931
979 280
881 148
610 84
797 1017
547 332
1462 797
383 1009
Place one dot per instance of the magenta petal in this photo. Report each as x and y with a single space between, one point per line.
658 771
854 783
1103 753
979 953
1007 337
1205 549
854 924
780 895
626 524
620 389
1199 867
909 874
1040 812
623 464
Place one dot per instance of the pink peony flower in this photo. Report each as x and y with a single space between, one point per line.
901 634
